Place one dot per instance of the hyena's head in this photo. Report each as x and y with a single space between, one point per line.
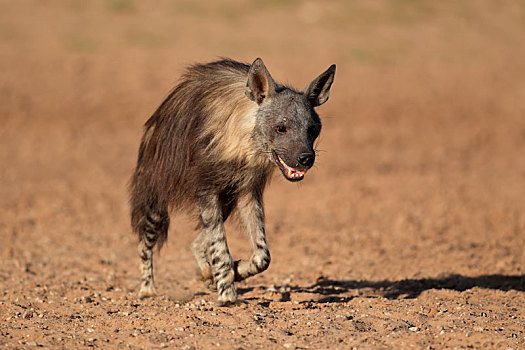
286 122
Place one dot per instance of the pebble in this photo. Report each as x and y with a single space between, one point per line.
179 329
413 329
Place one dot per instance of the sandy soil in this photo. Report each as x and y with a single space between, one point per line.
409 232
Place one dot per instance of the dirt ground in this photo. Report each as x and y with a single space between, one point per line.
408 233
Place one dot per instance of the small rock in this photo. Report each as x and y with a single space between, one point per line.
413 329
284 289
290 345
179 329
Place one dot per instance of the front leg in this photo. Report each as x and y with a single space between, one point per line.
221 260
252 215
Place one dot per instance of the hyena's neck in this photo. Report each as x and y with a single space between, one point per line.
230 127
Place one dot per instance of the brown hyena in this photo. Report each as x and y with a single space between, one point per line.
212 145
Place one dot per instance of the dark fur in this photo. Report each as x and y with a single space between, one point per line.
214 141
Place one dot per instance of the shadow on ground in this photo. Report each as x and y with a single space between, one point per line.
334 290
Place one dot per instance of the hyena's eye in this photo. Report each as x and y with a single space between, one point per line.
281 129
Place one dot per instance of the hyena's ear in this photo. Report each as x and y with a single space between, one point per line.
318 90
260 85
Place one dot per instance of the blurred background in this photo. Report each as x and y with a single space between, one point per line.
422 167
418 192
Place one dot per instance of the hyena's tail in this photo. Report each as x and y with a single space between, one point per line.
149 210
151 223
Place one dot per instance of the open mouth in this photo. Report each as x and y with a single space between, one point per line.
289 173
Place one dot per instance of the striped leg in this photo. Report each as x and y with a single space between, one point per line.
252 215
221 260
199 248
153 226
200 245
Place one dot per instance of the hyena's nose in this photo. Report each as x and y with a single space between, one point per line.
306 159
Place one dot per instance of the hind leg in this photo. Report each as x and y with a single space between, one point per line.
199 248
154 225
221 260
147 283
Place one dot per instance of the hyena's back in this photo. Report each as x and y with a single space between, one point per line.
192 142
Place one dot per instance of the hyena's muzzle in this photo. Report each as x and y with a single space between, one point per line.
294 165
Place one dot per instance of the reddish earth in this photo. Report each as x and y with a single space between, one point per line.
409 232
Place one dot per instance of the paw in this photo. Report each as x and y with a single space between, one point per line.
210 284
238 301
208 280
240 268
147 291
227 297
